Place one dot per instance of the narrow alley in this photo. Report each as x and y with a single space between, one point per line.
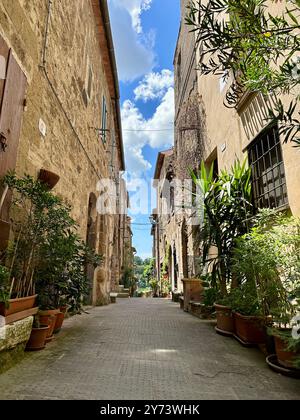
144 349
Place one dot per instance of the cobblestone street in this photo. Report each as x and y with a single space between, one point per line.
144 349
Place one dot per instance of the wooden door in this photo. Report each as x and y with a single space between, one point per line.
12 96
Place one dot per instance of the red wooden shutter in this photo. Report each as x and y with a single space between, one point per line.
4 54
12 106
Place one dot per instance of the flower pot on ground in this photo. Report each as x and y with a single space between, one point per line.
250 323
192 291
250 329
60 316
286 358
225 320
29 211
287 347
49 318
267 262
37 340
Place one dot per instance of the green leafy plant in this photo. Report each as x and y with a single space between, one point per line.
267 261
226 202
46 255
252 49
31 206
4 285
153 283
164 274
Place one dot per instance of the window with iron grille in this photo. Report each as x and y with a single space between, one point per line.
268 174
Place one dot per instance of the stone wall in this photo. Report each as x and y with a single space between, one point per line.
13 339
190 135
67 82
206 130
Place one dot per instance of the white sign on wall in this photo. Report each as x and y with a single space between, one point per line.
42 127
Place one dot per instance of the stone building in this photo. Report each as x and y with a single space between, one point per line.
205 130
179 237
60 116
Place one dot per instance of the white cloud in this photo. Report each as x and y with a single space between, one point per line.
135 9
154 85
134 48
142 131
162 119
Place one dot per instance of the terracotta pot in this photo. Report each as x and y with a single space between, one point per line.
59 321
17 305
49 318
284 357
250 329
225 321
192 291
37 340
63 309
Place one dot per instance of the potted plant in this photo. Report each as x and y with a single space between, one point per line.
249 321
226 204
38 336
61 275
267 263
287 347
153 283
286 311
29 206
209 298
224 315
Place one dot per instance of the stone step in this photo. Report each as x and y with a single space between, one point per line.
125 291
123 295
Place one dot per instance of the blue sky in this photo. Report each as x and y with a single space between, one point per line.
145 34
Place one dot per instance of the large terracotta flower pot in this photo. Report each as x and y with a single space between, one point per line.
17 305
59 322
49 318
225 321
192 291
250 329
284 357
37 340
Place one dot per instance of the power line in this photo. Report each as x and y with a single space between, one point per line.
142 224
162 129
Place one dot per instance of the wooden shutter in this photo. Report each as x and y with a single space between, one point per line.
12 106
4 54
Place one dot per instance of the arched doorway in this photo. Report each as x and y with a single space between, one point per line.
91 235
175 270
184 244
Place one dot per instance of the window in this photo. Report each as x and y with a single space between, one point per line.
268 174
104 120
179 71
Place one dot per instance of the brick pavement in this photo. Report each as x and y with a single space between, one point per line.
144 349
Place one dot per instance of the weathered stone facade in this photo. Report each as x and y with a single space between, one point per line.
13 339
205 130
71 117
177 235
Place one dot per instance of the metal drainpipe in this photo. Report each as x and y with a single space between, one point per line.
44 68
